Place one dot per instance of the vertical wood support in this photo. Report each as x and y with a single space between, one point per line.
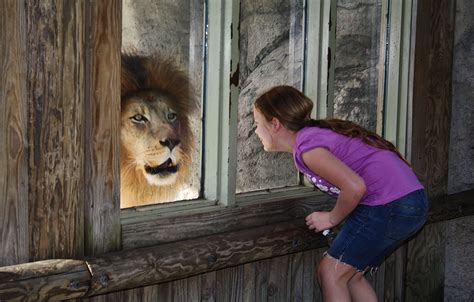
432 93
430 139
13 135
56 128
102 130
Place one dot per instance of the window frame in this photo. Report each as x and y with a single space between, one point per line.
221 92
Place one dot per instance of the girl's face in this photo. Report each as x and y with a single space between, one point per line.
263 130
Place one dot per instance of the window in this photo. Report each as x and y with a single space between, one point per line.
352 60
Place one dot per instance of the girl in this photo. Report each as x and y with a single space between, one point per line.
378 194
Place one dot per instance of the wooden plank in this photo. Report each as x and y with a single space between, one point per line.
262 269
181 259
310 281
295 288
425 265
44 280
193 288
161 230
249 282
278 277
56 128
102 139
432 93
165 291
13 135
208 287
230 284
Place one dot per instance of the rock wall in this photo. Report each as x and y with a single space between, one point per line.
459 267
271 53
357 55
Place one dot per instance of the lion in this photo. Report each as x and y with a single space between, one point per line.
157 100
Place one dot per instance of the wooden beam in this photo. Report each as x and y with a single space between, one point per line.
157 228
13 135
102 139
56 128
175 260
44 281
431 121
431 115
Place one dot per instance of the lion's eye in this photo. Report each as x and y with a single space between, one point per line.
138 118
171 116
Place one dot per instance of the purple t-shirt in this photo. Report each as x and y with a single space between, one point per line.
386 176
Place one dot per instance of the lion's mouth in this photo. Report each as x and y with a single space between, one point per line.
164 168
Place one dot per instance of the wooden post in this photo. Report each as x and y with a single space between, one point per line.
13 135
56 128
430 139
102 120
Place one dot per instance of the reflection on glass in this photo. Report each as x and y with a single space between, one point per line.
271 53
359 61
160 158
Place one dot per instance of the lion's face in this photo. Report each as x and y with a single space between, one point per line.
156 139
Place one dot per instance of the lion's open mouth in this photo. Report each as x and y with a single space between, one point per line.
164 168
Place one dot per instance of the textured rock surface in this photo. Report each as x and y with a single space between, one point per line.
459 278
357 55
271 45
461 152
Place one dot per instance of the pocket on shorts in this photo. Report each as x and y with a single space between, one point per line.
407 215
401 227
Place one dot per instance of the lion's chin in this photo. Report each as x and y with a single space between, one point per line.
161 180
162 175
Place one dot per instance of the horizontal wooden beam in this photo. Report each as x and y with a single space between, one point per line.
156 227
42 280
110 272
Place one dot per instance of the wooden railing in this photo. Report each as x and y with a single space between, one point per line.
66 278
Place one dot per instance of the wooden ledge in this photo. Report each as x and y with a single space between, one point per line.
61 279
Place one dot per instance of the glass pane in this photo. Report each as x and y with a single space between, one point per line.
359 61
163 148
271 53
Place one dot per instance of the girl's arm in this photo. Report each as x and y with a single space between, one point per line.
352 186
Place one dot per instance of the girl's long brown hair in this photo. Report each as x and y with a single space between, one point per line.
293 109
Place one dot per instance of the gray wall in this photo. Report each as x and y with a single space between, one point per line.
357 55
271 53
459 267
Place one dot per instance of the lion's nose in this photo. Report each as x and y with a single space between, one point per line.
170 143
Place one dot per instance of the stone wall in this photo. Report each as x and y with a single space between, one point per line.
459 267
271 53
357 57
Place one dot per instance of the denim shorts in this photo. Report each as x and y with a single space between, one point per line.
371 233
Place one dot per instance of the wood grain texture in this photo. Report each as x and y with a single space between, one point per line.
153 229
181 259
56 128
13 135
432 93
208 286
425 266
102 120
230 285
44 280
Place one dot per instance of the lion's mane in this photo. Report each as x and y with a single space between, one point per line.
154 78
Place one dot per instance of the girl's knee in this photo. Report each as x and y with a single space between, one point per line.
334 271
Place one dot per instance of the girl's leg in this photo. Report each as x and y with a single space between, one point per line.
360 289
333 277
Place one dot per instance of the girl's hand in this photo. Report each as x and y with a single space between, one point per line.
319 221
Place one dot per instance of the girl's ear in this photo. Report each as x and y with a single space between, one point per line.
275 123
